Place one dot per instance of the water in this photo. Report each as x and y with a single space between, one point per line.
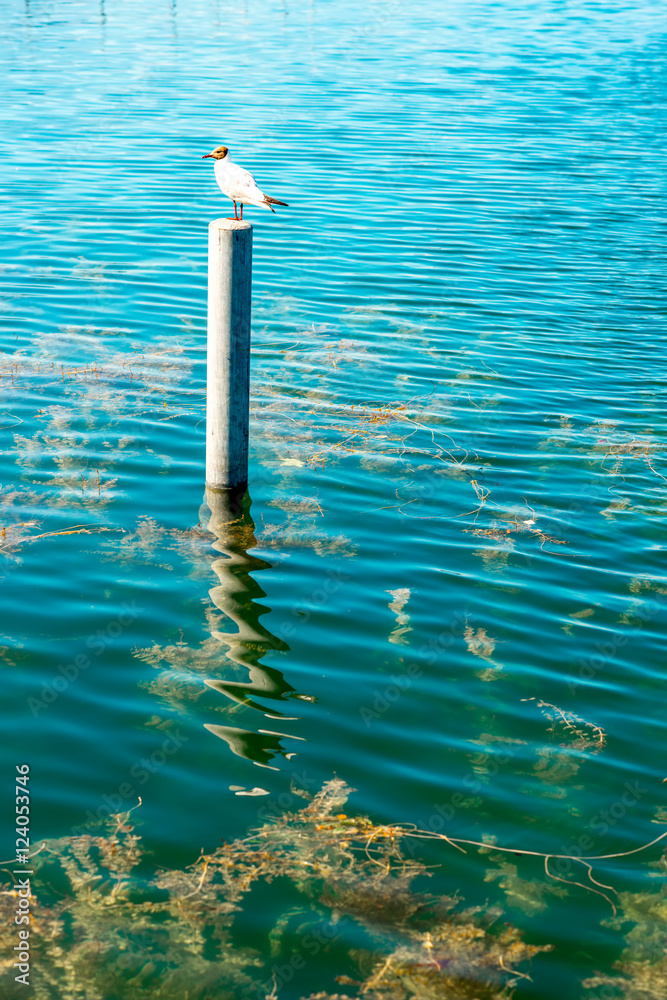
454 596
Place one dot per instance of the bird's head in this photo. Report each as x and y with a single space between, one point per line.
219 153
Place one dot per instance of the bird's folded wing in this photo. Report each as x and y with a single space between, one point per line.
243 182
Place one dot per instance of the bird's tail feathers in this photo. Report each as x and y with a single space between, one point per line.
274 201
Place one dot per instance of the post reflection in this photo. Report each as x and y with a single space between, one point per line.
237 596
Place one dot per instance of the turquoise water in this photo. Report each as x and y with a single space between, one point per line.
453 596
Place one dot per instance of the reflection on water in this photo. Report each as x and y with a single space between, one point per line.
228 518
458 447
259 747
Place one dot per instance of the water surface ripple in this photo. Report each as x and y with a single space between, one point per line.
448 588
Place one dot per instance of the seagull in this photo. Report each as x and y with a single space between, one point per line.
239 184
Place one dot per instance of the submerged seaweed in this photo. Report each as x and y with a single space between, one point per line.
100 930
643 962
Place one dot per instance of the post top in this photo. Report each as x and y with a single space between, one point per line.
229 224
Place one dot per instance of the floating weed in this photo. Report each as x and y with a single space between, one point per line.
184 668
525 894
291 536
642 966
298 505
301 528
102 927
482 645
94 393
633 461
506 530
151 541
479 643
642 605
573 731
403 626
14 535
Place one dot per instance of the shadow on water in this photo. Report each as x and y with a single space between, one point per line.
227 516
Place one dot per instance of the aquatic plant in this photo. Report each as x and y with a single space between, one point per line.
643 962
102 929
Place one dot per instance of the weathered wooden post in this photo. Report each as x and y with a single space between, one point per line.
228 354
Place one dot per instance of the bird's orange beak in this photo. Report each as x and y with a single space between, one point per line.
206 155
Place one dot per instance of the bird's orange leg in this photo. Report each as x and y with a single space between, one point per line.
241 210
235 215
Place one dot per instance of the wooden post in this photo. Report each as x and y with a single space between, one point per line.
228 353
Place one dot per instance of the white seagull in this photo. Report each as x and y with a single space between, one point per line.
239 184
